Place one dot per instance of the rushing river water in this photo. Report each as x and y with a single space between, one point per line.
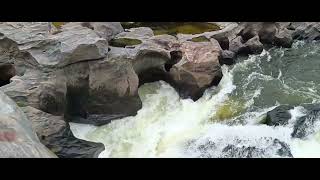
229 114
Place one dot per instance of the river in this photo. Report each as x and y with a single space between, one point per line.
229 114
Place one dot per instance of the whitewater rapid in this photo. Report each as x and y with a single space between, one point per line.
168 126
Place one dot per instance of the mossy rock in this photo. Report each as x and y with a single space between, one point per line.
22 104
263 119
231 108
58 24
123 42
200 39
174 28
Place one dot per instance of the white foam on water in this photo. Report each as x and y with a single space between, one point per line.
309 148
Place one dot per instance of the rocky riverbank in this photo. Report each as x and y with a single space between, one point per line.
90 72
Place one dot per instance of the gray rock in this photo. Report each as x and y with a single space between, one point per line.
270 33
253 46
38 89
73 43
107 30
97 91
306 30
223 41
56 135
283 38
236 45
227 57
25 32
141 33
11 59
18 139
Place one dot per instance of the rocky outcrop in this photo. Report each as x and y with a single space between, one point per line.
104 78
55 134
18 139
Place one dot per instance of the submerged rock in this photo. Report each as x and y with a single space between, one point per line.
268 148
306 125
279 116
279 148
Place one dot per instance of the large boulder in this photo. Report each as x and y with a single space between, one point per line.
97 91
254 46
237 45
241 46
198 69
55 134
41 90
18 139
